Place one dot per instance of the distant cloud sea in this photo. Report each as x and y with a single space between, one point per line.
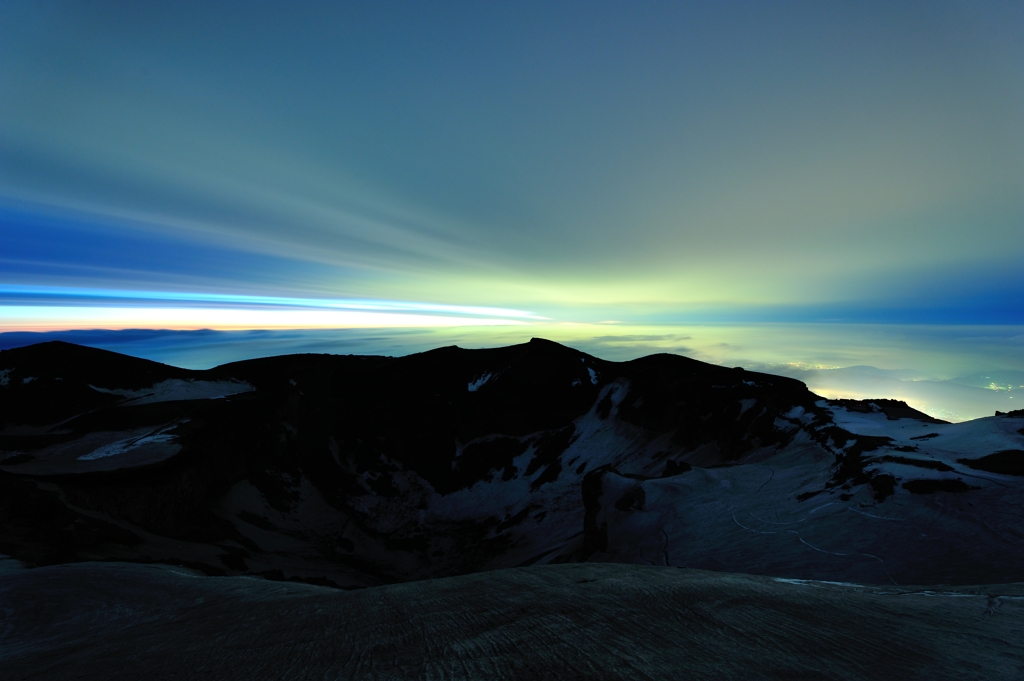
953 373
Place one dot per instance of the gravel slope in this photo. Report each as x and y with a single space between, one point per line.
596 621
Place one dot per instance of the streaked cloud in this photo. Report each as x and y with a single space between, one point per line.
674 155
479 173
53 294
41 318
36 308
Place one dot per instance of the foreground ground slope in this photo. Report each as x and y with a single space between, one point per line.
116 621
360 471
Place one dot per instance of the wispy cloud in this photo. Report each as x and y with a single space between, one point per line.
56 294
41 308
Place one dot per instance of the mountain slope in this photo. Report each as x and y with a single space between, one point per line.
357 471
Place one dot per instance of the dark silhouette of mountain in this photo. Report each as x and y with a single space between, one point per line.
356 471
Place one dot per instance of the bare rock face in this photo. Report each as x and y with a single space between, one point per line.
359 471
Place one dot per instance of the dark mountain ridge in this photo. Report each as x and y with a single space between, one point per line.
361 470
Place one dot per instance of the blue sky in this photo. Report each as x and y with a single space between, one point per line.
654 163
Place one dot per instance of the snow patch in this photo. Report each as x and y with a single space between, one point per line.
745 405
478 383
177 389
814 582
784 425
593 375
5 377
128 444
10 565
794 413
946 442
27 380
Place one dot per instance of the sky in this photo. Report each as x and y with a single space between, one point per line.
486 172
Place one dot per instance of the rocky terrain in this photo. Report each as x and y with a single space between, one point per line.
355 472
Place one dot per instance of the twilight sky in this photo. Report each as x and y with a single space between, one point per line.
611 174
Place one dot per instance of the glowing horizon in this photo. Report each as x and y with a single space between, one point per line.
530 168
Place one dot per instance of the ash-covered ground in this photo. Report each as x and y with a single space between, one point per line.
580 621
